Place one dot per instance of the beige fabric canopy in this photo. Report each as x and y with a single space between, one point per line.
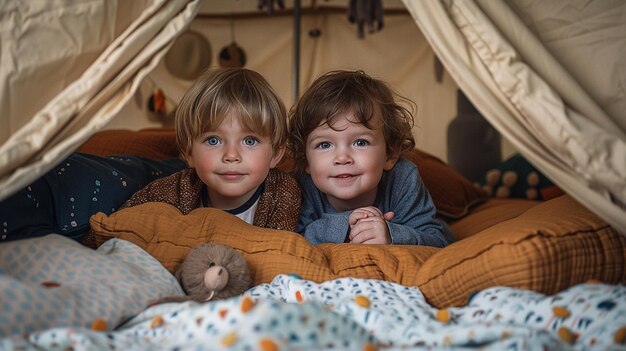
88 58
267 41
549 75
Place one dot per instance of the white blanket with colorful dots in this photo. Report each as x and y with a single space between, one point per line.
357 314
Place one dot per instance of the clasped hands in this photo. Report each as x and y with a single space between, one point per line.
368 225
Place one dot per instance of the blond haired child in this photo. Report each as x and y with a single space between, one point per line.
231 129
347 134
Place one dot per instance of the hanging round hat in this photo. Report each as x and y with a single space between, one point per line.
189 56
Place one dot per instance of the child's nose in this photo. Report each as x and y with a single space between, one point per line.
231 154
342 157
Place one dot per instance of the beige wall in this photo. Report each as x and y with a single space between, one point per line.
397 54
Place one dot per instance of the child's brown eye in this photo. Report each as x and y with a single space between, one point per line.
361 143
211 264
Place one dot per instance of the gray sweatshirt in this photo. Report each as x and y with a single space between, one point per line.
400 190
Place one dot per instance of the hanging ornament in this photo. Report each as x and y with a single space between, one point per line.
270 5
159 108
156 106
156 102
232 55
366 12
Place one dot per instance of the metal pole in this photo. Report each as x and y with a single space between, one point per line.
296 51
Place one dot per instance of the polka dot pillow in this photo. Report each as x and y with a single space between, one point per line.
54 281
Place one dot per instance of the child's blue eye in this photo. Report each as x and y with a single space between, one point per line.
323 145
250 141
361 143
212 140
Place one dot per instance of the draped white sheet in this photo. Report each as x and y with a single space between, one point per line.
75 83
555 90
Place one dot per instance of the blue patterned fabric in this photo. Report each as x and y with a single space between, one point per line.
361 314
54 281
62 200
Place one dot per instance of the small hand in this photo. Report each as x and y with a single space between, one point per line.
364 212
368 225
371 230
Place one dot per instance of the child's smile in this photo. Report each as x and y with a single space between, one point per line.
344 179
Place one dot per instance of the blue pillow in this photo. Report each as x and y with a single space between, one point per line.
62 200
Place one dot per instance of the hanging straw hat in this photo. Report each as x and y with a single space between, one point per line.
189 56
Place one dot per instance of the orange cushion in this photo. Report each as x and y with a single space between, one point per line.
547 248
488 214
168 235
159 143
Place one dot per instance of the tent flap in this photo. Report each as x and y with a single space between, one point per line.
92 100
523 90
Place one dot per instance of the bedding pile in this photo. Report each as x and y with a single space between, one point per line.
513 280
361 314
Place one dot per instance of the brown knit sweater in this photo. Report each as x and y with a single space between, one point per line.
279 204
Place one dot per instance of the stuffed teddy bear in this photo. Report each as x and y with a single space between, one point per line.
211 272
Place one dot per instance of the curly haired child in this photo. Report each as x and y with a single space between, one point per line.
347 134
